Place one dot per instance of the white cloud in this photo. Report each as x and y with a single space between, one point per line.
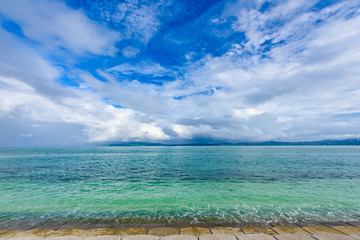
29 97
134 95
138 20
55 25
182 131
247 112
291 95
189 56
286 21
101 122
306 80
130 52
16 57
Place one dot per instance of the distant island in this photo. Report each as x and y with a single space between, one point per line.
345 142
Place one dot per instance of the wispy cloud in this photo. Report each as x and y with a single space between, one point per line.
130 52
137 20
140 20
144 68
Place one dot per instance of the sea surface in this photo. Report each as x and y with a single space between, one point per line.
190 184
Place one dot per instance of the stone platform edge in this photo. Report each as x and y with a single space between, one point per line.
271 231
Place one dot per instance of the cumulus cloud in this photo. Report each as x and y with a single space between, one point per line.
98 121
29 97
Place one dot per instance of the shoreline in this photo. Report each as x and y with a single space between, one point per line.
275 231
96 225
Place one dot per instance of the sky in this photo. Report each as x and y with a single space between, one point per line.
81 72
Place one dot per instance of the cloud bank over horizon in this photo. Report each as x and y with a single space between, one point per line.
89 72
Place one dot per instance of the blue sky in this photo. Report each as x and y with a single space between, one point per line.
90 72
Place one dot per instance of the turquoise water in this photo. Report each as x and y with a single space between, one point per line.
180 184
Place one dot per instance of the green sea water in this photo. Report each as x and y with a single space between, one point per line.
218 184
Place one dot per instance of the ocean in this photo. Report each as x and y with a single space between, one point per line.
182 184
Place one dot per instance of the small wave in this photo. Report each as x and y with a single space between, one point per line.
211 214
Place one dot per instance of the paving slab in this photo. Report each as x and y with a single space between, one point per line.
131 231
287 230
163 231
320 229
26 238
254 230
99 232
67 232
195 231
102 237
256 236
102 225
72 226
226 230
217 237
63 238
8 233
349 230
331 236
179 237
294 236
36 232
355 236
140 237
